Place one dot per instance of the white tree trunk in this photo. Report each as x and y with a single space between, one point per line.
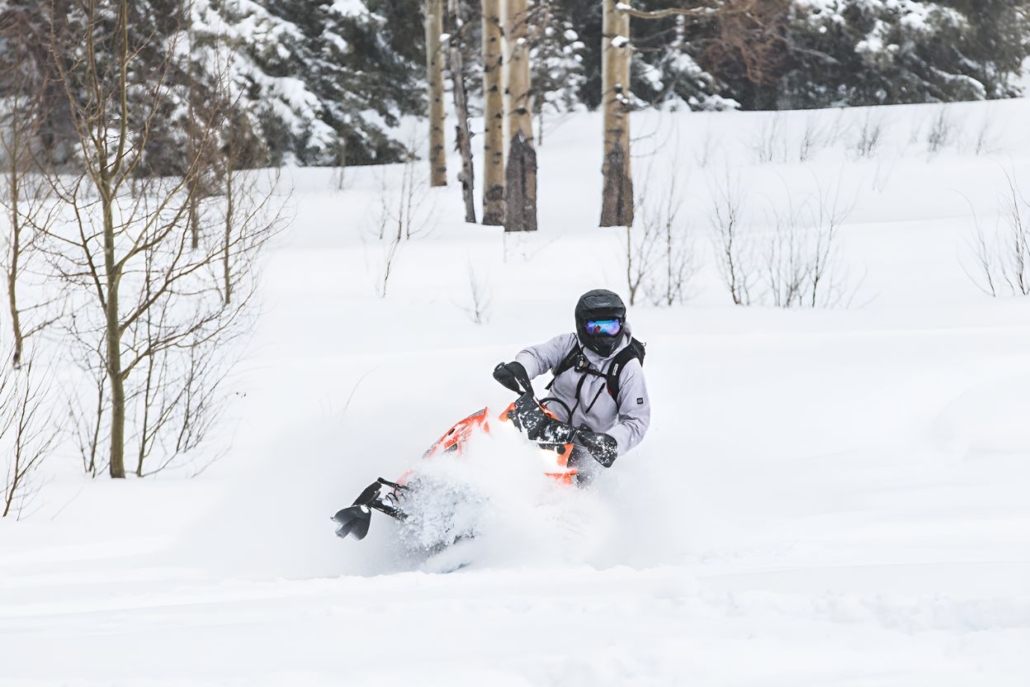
493 115
617 196
434 77
520 176
461 112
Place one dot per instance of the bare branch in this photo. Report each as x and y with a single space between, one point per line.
667 12
28 434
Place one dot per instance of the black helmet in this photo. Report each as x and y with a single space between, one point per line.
600 305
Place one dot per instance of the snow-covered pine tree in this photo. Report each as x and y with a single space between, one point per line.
25 72
871 52
556 60
585 17
996 42
765 54
663 69
54 51
315 76
376 76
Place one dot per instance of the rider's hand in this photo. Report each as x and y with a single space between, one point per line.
601 447
552 431
512 375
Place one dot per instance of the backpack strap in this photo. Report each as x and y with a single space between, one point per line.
634 351
567 363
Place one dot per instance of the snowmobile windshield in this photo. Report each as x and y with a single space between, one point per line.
603 327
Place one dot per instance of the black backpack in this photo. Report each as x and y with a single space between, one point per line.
635 351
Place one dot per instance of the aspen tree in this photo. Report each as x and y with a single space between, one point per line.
520 174
617 51
493 115
461 111
434 77
617 194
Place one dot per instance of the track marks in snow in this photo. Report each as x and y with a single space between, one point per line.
565 625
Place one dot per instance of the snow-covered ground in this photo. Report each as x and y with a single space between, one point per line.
826 497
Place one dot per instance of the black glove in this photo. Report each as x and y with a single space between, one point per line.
551 431
601 447
512 375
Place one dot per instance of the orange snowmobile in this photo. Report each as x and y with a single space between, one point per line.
556 439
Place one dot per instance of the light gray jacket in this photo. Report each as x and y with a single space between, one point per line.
625 421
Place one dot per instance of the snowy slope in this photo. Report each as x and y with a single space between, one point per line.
828 497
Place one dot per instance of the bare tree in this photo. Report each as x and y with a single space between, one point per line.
493 115
811 139
434 79
193 136
787 272
679 263
642 257
406 213
828 286
660 254
478 308
461 111
14 148
29 428
142 279
1002 257
391 250
28 434
520 173
87 414
870 135
176 397
801 254
401 215
941 132
985 140
29 214
771 141
176 394
734 241
795 263
22 194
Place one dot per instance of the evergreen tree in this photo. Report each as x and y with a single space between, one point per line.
878 52
996 42
556 60
315 79
585 16
768 54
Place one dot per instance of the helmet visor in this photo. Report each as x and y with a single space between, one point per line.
603 327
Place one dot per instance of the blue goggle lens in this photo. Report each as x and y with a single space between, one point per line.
605 327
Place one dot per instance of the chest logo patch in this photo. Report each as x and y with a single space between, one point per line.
640 401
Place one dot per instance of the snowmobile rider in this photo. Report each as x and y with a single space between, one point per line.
598 378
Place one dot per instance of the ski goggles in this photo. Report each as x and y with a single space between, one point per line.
605 327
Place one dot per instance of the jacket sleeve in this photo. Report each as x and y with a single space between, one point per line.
546 356
634 408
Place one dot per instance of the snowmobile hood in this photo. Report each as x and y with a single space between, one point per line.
599 362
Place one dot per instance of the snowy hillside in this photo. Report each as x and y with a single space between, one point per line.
830 496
